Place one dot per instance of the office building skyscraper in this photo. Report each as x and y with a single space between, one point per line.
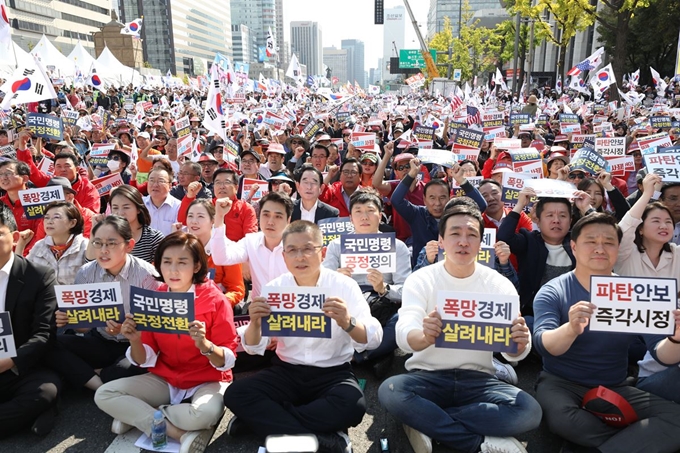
306 43
355 70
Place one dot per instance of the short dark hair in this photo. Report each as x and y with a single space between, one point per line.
118 223
195 167
462 209
540 204
170 172
303 226
72 212
456 201
191 243
436 182
594 219
7 218
323 147
364 196
468 161
638 237
135 197
351 160
165 163
278 197
305 168
667 186
67 155
21 167
227 171
490 181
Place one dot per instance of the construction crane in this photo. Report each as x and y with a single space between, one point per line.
424 49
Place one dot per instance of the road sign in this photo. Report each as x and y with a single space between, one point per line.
456 75
413 59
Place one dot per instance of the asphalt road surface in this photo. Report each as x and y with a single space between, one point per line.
82 428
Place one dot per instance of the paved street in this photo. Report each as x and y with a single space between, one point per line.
83 428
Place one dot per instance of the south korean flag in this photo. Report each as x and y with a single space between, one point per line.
29 83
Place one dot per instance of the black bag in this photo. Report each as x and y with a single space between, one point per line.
382 308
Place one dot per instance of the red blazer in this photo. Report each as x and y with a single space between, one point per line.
180 362
238 222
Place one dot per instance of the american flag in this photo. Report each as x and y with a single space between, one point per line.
473 116
588 64
456 102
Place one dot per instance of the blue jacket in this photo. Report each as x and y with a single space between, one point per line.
424 227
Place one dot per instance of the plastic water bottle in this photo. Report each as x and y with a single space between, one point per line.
158 431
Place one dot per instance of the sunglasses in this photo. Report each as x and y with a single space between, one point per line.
577 176
402 167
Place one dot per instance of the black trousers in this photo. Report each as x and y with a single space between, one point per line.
23 398
297 399
75 358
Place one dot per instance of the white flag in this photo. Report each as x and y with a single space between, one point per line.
214 114
602 79
132 28
373 90
95 81
500 81
659 83
294 70
29 83
271 44
630 98
5 35
578 84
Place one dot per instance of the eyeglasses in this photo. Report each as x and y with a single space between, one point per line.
306 251
402 167
350 172
296 142
369 163
248 161
108 245
346 135
157 182
223 183
577 176
319 156
7 174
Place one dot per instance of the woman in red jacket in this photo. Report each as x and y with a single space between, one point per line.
194 367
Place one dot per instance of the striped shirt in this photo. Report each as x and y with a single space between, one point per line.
145 248
135 272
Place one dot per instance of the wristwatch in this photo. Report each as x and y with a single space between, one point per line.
210 351
384 293
352 324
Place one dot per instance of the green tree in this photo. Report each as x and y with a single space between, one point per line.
642 48
568 16
146 64
473 52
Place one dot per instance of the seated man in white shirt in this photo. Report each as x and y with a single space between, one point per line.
162 206
452 395
310 387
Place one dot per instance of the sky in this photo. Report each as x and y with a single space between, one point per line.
352 19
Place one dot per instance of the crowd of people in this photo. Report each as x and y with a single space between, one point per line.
190 220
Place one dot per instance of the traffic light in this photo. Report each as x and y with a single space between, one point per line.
379 12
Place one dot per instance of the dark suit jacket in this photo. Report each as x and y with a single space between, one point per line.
323 211
31 302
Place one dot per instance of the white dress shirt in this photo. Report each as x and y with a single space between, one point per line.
4 280
324 352
164 216
308 215
265 264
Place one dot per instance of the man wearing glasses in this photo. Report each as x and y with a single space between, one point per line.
162 206
338 193
310 387
250 168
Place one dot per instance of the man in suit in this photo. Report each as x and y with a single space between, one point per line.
308 181
28 391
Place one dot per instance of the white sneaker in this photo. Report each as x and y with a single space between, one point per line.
505 372
419 441
195 441
501 445
118 427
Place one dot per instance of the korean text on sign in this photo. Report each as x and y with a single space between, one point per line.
45 126
91 305
34 201
248 183
477 321
297 311
361 252
666 165
106 184
334 228
633 305
7 345
162 312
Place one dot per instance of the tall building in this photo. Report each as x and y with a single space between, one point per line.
306 43
183 35
337 62
279 34
439 9
63 22
259 16
357 56
394 37
244 44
